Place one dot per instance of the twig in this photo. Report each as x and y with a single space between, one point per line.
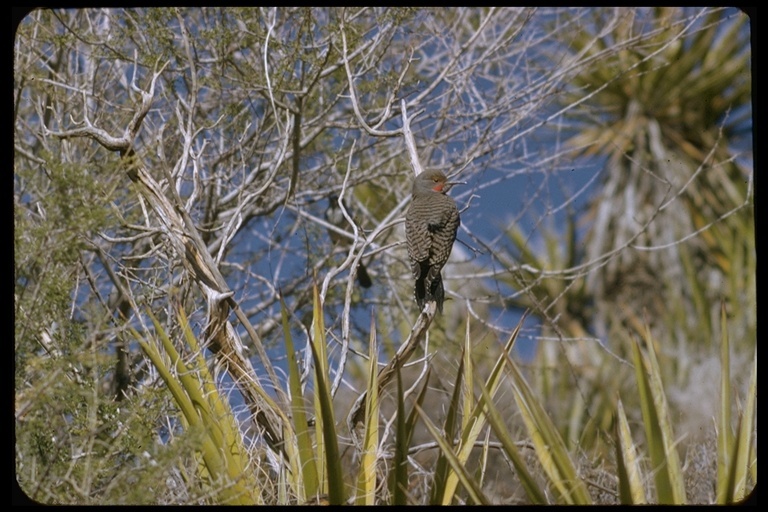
353 95
418 332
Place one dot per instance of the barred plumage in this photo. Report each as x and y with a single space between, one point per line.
430 230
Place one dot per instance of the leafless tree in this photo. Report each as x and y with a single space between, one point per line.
212 139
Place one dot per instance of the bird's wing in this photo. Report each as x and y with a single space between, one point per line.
417 232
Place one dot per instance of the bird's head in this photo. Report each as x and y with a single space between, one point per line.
434 181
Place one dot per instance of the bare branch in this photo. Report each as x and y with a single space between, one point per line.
418 332
353 95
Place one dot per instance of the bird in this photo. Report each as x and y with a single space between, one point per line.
431 223
334 215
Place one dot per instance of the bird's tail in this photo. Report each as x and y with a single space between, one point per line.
427 290
438 292
420 293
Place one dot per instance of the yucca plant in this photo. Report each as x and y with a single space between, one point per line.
547 472
735 455
669 233
665 126
225 460
310 469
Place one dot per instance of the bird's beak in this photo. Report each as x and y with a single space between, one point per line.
449 185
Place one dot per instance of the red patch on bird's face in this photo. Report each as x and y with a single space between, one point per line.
438 187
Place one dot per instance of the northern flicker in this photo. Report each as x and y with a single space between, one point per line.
430 230
334 215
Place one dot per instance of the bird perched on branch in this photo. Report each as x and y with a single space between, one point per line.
334 215
430 230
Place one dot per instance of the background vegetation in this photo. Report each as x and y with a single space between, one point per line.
188 331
